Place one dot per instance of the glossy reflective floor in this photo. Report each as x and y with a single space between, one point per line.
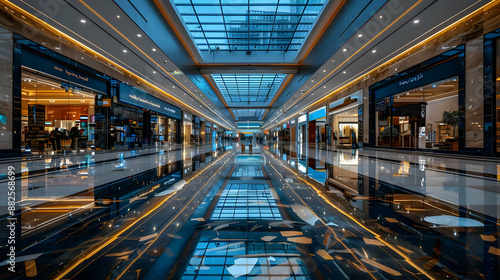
279 211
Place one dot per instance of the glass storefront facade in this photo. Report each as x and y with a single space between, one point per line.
424 117
345 121
423 107
55 115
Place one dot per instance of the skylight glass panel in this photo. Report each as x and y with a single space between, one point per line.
253 21
248 87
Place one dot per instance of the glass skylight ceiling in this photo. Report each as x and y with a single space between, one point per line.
249 25
247 114
248 87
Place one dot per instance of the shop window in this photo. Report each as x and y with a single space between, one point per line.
423 118
56 115
345 127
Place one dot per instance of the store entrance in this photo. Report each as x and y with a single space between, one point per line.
56 115
421 118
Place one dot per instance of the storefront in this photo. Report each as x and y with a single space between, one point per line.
58 103
159 121
302 129
285 134
187 122
293 130
317 126
344 119
421 108
207 133
196 138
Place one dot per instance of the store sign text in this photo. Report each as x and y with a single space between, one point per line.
72 74
411 79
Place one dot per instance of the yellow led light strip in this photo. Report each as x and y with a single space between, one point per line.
146 55
96 54
389 62
332 231
359 50
116 235
173 219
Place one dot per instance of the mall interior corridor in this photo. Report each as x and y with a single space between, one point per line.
249 139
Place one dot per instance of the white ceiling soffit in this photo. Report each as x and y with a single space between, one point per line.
103 27
404 23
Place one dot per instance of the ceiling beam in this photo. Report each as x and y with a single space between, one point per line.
249 107
245 69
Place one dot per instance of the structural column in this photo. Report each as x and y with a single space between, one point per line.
10 138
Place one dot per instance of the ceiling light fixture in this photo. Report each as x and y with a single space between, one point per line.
117 16
416 21
83 21
374 51
344 50
154 49
344 72
360 35
139 35
124 51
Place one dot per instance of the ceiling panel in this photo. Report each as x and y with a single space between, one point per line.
249 25
248 87
249 114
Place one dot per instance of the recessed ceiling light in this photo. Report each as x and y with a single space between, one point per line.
360 35
333 61
374 51
58 48
344 72
83 21
380 17
416 21
154 72
324 70
117 16
344 50
139 35
124 51
154 49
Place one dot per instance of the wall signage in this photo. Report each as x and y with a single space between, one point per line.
317 114
440 71
134 96
411 79
302 118
52 67
292 123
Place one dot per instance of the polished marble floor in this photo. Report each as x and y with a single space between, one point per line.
285 211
